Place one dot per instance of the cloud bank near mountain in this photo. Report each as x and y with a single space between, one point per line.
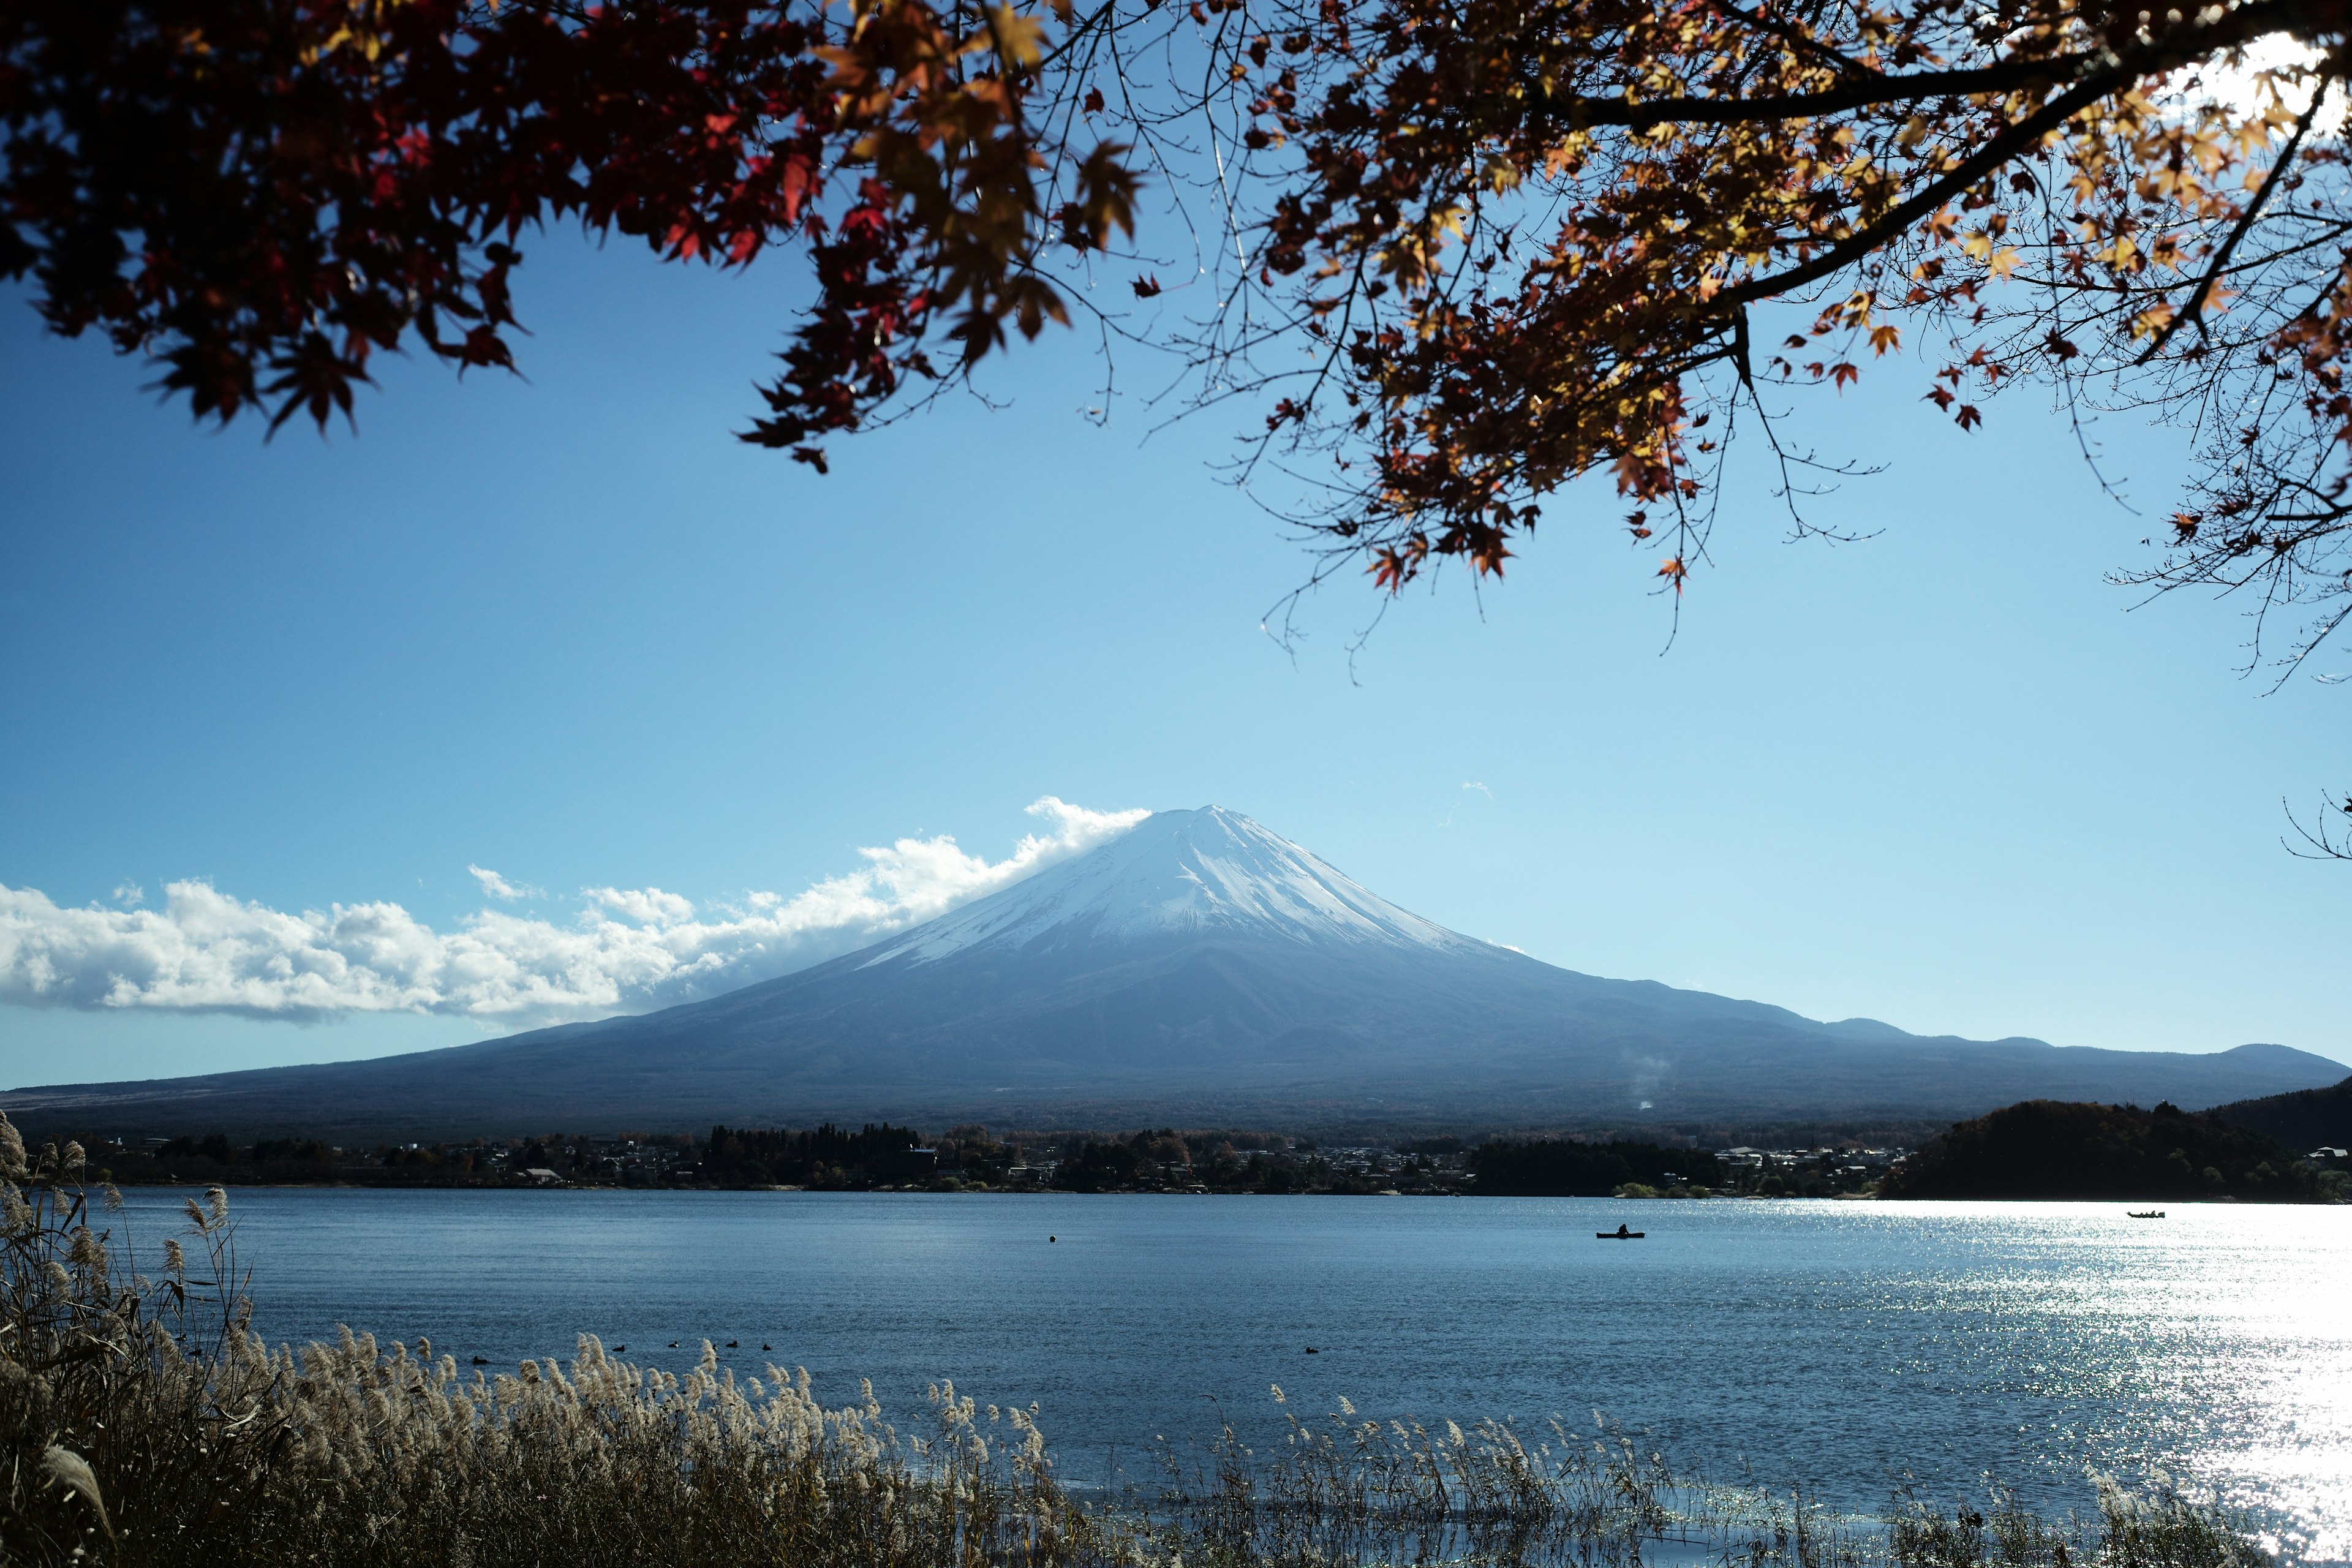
626 949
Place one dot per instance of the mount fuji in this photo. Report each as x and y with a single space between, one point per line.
1198 969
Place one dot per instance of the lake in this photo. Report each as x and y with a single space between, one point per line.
1841 1345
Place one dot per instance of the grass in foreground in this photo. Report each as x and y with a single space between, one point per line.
143 1423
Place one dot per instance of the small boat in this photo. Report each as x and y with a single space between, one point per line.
1620 1234
2152 1213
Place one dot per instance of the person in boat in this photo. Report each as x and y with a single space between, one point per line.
1624 1232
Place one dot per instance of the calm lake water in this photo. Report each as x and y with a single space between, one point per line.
1842 1345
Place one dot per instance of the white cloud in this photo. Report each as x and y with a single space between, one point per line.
647 905
629 950
1454 810
497 887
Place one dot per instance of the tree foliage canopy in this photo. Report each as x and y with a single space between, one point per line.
1458 252
2049 1149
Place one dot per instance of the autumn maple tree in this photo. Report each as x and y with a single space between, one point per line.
1459 252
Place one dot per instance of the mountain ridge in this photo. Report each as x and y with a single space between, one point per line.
1198 966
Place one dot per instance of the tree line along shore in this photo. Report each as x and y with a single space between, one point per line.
2034 1150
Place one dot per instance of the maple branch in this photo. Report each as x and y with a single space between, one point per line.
1975 167
1790 36
1582 113
2329 234
1076 33
2323 844
2194 311
2156 56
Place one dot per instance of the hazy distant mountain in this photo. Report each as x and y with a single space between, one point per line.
1197 969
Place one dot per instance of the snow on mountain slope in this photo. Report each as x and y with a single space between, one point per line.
1178 873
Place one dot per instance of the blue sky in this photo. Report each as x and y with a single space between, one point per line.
566 629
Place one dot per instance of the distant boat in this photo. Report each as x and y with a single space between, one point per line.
1620 1234
2152 1213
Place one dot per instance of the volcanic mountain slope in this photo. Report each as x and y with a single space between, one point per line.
1201 968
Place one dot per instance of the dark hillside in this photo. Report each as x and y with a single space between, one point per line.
2049 1149
1552 1167
2304 1119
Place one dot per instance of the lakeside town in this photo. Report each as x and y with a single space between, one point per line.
2038 1149
967 1158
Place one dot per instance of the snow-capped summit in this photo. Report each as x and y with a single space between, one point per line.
1176 873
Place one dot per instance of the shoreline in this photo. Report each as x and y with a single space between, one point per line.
1716 1198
